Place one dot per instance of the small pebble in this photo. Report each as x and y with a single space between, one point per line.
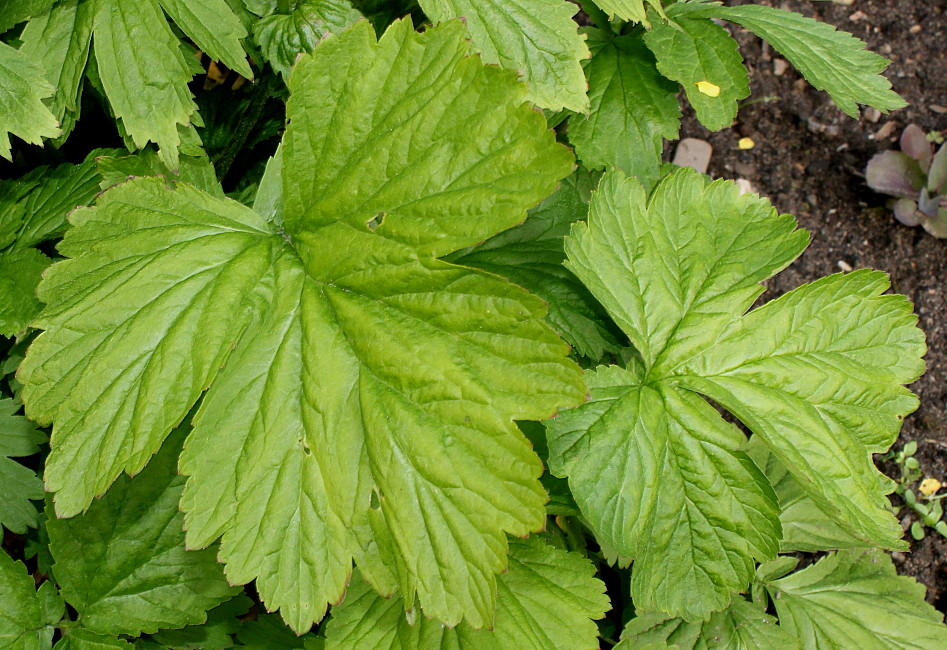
898 557
693 153
915 29
872 114
845 266
885 131
779 67
746 187
746 143
744 170
858 15
937 108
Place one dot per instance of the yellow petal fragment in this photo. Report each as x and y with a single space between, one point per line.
929 486
746 143
709 89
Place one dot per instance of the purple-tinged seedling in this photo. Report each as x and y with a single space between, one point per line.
917 178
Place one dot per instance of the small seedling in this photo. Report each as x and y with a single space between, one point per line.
925 502
917 178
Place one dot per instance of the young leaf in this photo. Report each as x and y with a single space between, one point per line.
214 27
634 108
817 374
18 484
548 598
27 616
830 60
538 38
22 91
366 370
805 526
742 626
145 78
531 255
122 564
856 599
283 37
696 52
59 42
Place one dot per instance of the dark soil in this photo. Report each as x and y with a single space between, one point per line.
809 159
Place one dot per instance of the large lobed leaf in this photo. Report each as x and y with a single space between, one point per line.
362 392
817 375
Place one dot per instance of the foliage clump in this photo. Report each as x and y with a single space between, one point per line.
425 366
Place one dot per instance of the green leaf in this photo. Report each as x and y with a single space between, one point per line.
194 170
742 626
144 74
16 11
682 500
283 37
123 565
82 639
20 272
634 10
60 191
634 108
18 484
548 598
215 634
214 28
27 617
22 111
830 60
531 255
267 632
386 377
805 526
35 211
817 374
696 50
855 599
536 38
59 41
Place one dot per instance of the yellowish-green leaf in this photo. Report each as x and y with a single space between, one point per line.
536 38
